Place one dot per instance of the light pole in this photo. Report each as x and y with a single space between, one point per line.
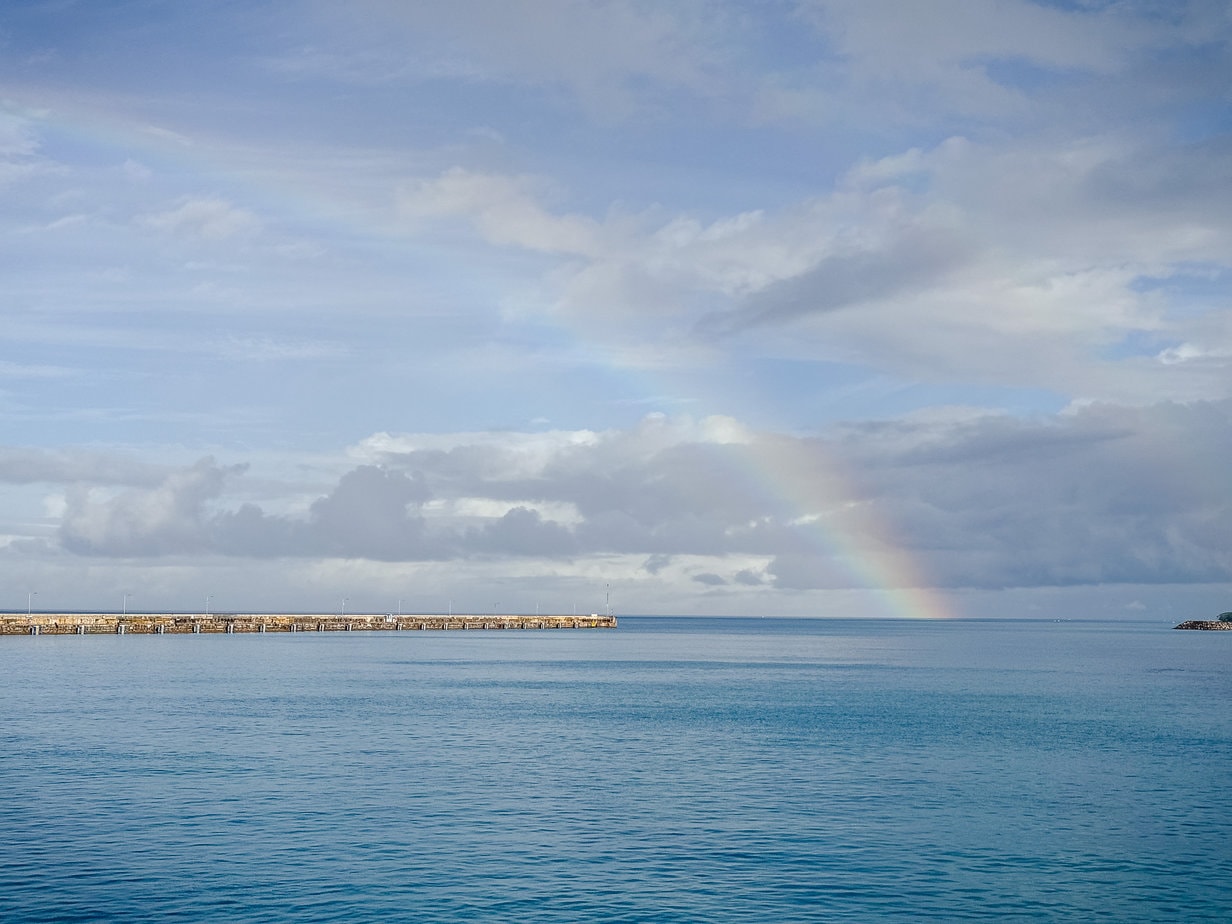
30 601
399 606
124 604
344 603
208 598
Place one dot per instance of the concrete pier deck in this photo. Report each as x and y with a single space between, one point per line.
198 623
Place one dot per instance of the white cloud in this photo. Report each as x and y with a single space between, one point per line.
210 218
601 54
1192 353
912 41
515 455
152 521
502 208
17 138
944 263
980 57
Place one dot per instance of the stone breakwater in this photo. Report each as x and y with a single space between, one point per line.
1205 624
187 623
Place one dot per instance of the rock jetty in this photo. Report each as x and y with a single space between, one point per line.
189 623
1207 624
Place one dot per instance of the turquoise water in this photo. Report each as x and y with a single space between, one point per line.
670 770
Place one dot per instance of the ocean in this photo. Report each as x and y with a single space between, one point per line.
670 770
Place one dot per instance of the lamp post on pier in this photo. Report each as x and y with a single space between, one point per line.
124 604
208 598
30 601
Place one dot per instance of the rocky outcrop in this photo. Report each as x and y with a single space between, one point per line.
1205 624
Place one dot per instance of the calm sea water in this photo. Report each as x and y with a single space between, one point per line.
670 770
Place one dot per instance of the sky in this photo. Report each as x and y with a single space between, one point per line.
815 308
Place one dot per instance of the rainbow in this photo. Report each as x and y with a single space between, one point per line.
835 524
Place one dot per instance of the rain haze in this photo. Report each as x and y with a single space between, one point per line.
815 308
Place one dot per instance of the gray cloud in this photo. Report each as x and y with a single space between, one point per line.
371 513
521 532
1103 494
656 563
807 571
915 259
22 465
1181 185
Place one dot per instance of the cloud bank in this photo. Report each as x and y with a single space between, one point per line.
1099 495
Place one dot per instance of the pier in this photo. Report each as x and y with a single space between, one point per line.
228 623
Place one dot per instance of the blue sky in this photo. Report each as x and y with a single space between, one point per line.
819 308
